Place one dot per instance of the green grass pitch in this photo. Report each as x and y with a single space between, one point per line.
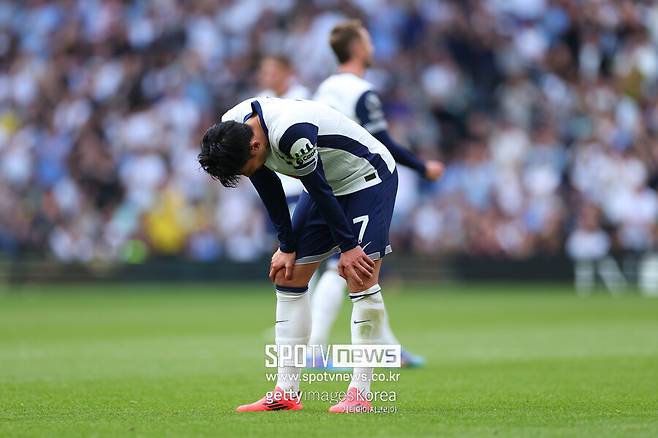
175 360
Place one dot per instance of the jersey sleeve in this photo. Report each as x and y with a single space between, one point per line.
370 113
320 191
400 154
270 190
298 144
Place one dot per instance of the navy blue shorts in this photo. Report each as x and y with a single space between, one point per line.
369 210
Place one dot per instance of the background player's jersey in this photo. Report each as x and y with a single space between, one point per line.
300 131
355 97
295 91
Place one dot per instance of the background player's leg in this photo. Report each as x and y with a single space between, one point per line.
387 333
409 360
313 282
368 316
293 319
327 300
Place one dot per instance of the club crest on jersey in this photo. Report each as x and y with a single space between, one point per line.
302 153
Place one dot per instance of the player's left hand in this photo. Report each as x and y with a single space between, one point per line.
282 260
433 170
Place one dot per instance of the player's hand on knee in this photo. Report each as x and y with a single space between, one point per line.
355 264
282 260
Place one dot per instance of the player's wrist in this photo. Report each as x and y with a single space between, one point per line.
287 249
349 245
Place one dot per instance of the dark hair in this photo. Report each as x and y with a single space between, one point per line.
342 36
225 151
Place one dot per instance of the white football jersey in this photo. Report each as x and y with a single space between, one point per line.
355 97
291 186
300 131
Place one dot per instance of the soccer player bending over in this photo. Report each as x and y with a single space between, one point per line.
351 184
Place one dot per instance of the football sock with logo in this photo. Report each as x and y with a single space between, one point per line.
368 313
293 327
326 303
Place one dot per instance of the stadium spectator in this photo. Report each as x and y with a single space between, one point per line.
536 107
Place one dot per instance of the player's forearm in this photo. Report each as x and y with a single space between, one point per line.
270 190
321 192
401 155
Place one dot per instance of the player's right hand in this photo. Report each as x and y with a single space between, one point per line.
433 170
356 265
282 260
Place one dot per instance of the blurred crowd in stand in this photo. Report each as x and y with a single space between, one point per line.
545 112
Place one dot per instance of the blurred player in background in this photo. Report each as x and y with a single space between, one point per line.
348 92
351 184
276 78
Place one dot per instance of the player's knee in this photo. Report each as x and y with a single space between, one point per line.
296 281
355 287
301 275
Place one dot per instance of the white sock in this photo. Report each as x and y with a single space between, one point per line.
313 284
327 300
293 327
368 315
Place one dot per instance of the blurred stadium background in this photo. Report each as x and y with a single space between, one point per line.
545 113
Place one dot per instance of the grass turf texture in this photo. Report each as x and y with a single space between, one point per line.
175 361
